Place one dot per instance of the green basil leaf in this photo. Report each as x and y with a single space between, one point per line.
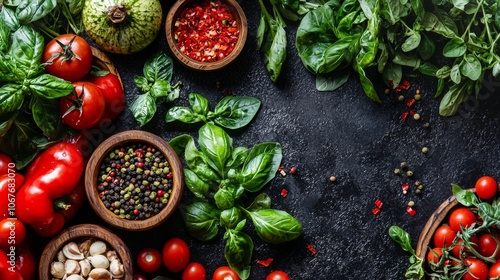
455 75
276 55
180 142
260 166
428 69
231 217
198 163
31 11
401 237
332 81
11 98
183 114
50 87
26 50
418 8
393 10
464 197
234 112
143 108
9 15
367 85
393 73
495 70
197 186
443 72
224 198
427 48
412 42
262 201
275 226
159 67
455 47
142 83
4 35
198 103
160 88
261 31
216 145
460 4
238 252
440 22
471 67
6 123
455 96
202 220
238 157
46 115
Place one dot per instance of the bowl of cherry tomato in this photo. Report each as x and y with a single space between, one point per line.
134 180
461 239
206 35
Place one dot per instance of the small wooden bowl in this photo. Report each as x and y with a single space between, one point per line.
120 139
242 26
102 61
78 233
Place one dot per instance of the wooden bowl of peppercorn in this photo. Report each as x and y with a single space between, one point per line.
204 35
134 180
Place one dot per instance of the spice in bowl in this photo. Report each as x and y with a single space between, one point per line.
206 31
135 181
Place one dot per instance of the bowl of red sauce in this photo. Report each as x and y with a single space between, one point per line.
206 35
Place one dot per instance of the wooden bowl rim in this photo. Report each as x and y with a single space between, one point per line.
92 171
78 232
104 62
237 12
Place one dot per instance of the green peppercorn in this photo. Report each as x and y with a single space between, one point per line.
397 171
411 203
425 150
409 173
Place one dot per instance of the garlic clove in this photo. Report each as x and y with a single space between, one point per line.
57 269
72 267
84 246
112 255
61 257
85 267
97 248
99 261
71 251
100 274
75 277
116 269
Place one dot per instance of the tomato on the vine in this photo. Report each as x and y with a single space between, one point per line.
459 249
194 271
461 217
112 91
476 269
68 57
12 233
84 108
444 236
138 276
278 275
494 272
487 245
176 254
434 255
149 260
486 187
225 273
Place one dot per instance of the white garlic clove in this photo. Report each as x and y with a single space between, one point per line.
85 267
72 267
71 251
57 269
100 274
61 257
116 269
75 277
84 246
97 248
112 255
99 261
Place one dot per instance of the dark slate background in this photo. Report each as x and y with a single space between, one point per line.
342 134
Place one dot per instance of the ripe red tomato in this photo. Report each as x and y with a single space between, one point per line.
138 276
494 272
487 245
486 187
149 260
460 249
112 90
84 108
68 57
434 255
176 254
12 234
476 269
461 216
225 273
444 236
6 163
278 275
194 271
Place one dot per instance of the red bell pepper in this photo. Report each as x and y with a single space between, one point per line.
53 176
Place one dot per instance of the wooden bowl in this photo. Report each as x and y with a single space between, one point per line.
79 233
102 61
241 21
92 173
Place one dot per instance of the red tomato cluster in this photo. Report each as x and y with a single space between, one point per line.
98 97
477 258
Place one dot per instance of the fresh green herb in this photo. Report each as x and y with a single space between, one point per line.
231 112
219 175
401 237
155 84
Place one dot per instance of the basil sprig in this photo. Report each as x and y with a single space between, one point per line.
219 175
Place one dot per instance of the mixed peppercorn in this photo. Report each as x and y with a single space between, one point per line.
206 31
135 181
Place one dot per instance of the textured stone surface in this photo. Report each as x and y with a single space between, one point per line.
340 133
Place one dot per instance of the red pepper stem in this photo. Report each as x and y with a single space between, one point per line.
61 204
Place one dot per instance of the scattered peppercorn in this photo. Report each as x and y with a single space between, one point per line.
403 165
293 170
411 203
387 91
417 97
397 171
427 125
409 173
401 98
416 116
333 178
425 150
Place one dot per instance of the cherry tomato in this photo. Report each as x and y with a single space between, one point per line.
278 275
83 108
486 187
112 90
494 272
461 216
194 271
444 236
6 163
460 249
434 255
487 245
225 273
68 57
12 234
149 260
476 269
138 276
176 254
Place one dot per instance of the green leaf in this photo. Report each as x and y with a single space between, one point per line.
260 166
235 112
31 11
183 114
456 47
202 220
412 42
392 73
275 56
198 163
455 96
224 198
427 48
238 252
11 98
197 186
401 237
262 201
160 88
143 108
331 82
428 69
159 67
367 85
238 157
440 22
418 8
216 145
198 103
231 217
4 35
471 67
275 226
455 75
27 48
50 87
464 197
46 115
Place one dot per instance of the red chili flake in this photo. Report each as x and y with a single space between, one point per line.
404 116
405 187
412 112
281 167
375 210
404 85
391 84
169 175
265 263
411 211
311 249
410 102
206 31
284 192
293 170
379 203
